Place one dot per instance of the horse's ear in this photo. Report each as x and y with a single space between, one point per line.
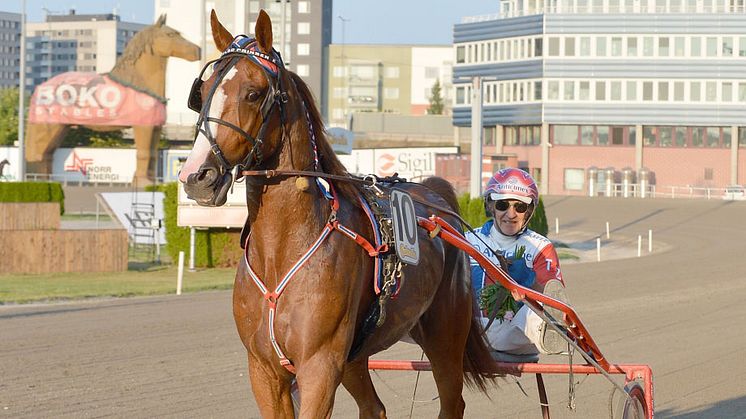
220 35
161 20
263 31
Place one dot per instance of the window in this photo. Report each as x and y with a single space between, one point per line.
339 92
304 49
695 46
460 96
631 90
569 47
713 137
302 70
632 47
601 46
304 7
460 54
393 73
617 135
574 179
600 90
648 47
391 93
680 136
742 46
708 173
663 49
727 95
711 46
430 72
742 92
663 91
665 136
553 90
565 134
537 47
569 93
586 135
649 136
647 90
616 90
695 91
698 135
537 90
727 46
616 46
585 46
678 91
553 47
340 71
585 90
711 91
304 28
678 46
602 135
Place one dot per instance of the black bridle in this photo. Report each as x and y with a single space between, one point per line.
241 47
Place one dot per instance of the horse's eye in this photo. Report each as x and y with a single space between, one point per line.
252 96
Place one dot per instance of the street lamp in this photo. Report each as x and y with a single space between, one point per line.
475 170
22 98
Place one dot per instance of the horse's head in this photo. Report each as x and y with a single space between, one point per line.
168 42
240 99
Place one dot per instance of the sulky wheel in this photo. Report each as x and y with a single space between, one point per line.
632 407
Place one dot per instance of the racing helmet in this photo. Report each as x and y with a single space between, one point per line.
511 183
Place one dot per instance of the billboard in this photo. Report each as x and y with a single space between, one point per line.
77 98
105 165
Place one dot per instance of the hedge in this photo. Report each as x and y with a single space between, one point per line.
472 210
214 247
32 192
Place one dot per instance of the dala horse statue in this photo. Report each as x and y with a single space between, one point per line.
304 300
142 68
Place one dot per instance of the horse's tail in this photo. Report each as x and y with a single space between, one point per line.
443 188
480 368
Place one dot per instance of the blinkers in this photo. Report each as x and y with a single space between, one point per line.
241 47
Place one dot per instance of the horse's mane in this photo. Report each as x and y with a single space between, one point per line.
327 158
125 65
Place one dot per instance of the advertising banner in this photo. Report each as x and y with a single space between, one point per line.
414 164
105 165
77 98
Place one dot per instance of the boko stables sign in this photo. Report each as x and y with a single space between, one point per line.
93 99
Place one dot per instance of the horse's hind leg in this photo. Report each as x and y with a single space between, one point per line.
271 390
442 333
356 380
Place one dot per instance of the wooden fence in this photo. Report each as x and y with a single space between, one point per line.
49 251
29 216
32 243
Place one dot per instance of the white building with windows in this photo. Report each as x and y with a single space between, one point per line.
649 92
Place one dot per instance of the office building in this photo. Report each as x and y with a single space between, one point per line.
583 93
10 48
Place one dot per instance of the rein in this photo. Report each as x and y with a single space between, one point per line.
371 181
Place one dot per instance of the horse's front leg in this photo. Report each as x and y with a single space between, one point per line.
271 390
318 378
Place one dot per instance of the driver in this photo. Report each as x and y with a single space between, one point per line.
510 198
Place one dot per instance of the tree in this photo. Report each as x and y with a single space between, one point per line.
8 116
436 100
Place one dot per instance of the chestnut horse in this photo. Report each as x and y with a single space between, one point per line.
256 114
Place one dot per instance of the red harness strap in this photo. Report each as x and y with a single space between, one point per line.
273 296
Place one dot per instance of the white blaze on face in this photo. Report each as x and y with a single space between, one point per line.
201 148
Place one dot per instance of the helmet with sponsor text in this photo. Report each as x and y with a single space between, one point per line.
512 183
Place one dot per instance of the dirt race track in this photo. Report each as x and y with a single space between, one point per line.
681 310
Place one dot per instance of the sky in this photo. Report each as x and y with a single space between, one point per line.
365 21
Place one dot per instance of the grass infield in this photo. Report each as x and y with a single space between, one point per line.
139 280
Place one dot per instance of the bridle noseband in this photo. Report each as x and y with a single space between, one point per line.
241 47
